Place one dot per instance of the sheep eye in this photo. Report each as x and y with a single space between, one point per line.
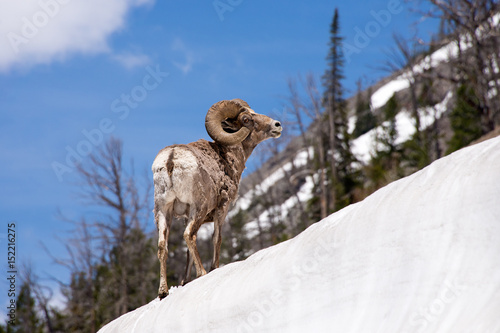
245 120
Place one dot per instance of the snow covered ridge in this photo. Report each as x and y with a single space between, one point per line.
420 254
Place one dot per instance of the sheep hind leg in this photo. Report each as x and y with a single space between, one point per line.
190 238
163 220
217 241
187 272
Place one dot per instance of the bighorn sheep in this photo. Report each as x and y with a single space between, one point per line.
199 180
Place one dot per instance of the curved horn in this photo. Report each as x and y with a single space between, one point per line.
241 102
218 113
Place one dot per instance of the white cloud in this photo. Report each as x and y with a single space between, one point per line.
41 31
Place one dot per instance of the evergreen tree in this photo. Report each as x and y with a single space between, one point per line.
424 145
465 119
385 165
365 120
343 177
27 319
389 129
91 299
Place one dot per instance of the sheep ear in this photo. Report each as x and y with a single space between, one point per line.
217 114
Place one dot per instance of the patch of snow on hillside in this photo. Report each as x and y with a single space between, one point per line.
443 54
264 220
380 97
383 94
429 114
351 124
364 147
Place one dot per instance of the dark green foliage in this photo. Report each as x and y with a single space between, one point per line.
365 122
348 173
385 164
387 140
333 94
417 154
27 318
465 119
365 119
418 150
92 299
391 109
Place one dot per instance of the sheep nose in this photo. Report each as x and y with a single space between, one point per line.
277 124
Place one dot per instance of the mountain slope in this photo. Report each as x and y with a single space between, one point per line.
420 253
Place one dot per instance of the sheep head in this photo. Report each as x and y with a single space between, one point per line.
229 122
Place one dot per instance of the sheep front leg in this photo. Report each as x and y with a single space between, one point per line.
190 238
163 223
219 218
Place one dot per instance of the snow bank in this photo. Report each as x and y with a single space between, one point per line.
421 254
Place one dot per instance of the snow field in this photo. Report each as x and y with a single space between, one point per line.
420 254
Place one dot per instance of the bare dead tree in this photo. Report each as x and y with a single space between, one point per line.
105 183
314 105
109 254
307 111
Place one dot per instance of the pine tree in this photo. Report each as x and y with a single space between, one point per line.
342 174
389 129
385 165
27 319
365 120
465 119
424 145
91 299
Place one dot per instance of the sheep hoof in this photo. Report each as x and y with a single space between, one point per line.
162 293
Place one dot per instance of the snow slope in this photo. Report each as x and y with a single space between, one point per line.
421 254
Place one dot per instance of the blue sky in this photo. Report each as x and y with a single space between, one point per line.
67 67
